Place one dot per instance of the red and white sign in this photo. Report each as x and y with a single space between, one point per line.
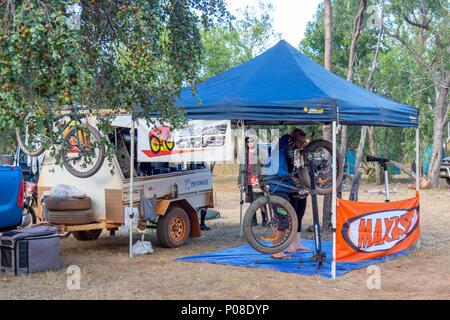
254 181
366 230
200 140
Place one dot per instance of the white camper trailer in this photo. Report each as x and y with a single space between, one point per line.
181 189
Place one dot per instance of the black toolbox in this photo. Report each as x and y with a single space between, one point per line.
29 250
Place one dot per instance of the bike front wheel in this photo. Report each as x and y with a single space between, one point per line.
83 151
31 143
279 229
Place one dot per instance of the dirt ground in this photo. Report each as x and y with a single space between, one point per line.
107 272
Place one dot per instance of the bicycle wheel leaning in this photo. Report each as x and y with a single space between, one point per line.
322 151
280 229
84 152
28 210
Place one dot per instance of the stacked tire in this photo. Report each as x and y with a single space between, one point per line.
72 211
69 210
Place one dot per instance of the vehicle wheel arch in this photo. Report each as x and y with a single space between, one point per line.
192 215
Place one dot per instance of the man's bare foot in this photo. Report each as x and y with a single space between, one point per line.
301 248
297 248
281 255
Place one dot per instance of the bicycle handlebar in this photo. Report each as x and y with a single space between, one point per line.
375 159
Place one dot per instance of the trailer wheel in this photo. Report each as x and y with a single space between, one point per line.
87 235
173 228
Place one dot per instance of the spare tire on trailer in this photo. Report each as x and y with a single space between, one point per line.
74 217
67 203
87 235
173 228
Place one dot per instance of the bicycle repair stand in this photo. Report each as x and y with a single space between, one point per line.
319 256
382 162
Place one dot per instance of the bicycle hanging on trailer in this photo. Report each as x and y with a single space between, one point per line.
83 152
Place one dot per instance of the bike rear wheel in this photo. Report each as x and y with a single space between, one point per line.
84 152
322 152
280 229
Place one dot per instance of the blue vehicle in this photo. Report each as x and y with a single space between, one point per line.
11 198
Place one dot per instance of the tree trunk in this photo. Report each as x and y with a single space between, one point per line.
355 186
440 113
368 85
357 24
402 167
362 140
355 35
327 199
359 153
374 153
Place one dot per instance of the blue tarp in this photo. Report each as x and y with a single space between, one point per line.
246 256
284 86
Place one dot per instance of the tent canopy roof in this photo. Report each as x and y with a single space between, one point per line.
284 86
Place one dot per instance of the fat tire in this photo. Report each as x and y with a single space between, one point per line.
100 158
76 217
87 235
165 223
320 143
67 203
247 223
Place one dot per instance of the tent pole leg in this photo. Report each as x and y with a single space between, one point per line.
333 201
242 180
419 242
131 184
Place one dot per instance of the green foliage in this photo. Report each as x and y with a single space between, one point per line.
420 36
398 76
231 44
313 44
117 55
40 60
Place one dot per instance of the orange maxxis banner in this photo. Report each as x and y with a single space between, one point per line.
366 230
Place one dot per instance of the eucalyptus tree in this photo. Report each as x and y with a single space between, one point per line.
422 27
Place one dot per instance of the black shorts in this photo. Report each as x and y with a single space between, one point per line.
299 206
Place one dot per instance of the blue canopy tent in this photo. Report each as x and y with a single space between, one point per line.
283 86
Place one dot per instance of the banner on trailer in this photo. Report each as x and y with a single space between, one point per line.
200 140
368 230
